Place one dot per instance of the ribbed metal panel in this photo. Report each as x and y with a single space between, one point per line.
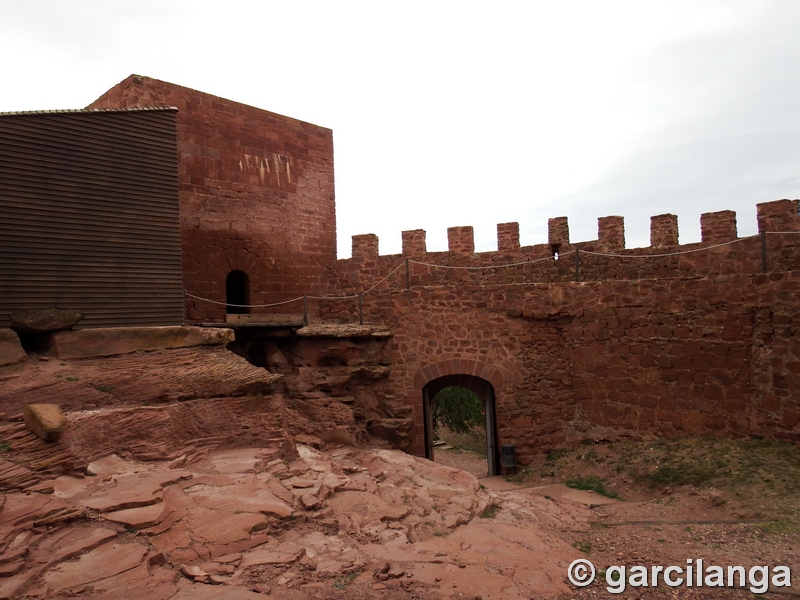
89 216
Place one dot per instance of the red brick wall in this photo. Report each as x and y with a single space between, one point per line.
256 193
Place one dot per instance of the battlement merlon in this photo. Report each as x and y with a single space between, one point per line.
715 227
718 227
461 240
507 237
663 231
779 215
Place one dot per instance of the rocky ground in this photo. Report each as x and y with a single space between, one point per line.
247 523
188 475
362 524
727 502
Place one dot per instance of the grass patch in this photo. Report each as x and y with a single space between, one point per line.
490 511
554 455
5 447
585 547
342 582
104 388
521 476
779 527
71 378
752 478
679 473
592 483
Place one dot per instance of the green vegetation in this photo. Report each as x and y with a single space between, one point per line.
5 447
585 547
342 582
457 409
780 526
71 378
522 475
753 477
104 388
491 511
592 483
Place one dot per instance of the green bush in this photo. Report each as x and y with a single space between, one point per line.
457 409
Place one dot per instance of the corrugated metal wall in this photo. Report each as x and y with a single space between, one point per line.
89 216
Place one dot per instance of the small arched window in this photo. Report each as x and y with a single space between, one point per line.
237 293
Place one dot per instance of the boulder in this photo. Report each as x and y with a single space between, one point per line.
10 349
45 420
44 320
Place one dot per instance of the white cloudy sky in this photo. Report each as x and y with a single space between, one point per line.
467 113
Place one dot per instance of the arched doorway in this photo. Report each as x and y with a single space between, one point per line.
485 391
237 293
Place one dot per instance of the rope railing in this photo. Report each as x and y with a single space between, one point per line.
407 262
243 305
670 253
517 264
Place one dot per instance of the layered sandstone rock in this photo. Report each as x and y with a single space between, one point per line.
123 340
253 520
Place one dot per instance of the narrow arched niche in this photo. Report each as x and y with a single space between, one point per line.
237 293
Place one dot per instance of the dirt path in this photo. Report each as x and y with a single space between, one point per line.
472 463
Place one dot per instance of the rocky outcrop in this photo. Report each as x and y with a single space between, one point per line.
181 432
138 379
335 377
123 340
264 525
45 320
45 420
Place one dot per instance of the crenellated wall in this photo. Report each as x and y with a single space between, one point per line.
653 341
563 260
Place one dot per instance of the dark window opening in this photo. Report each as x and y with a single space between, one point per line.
237 293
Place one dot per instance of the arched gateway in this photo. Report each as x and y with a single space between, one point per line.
477 379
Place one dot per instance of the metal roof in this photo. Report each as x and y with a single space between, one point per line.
86 110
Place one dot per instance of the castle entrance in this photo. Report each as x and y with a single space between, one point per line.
465 399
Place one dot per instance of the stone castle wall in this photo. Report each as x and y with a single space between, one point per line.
256 195
603 259
706 343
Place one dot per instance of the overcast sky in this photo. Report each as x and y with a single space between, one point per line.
467 113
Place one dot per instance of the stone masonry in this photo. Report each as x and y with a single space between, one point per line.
256 195
703 342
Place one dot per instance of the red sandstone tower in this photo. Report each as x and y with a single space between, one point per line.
257 213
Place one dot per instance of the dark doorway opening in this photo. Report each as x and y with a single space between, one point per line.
485 393
237 293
